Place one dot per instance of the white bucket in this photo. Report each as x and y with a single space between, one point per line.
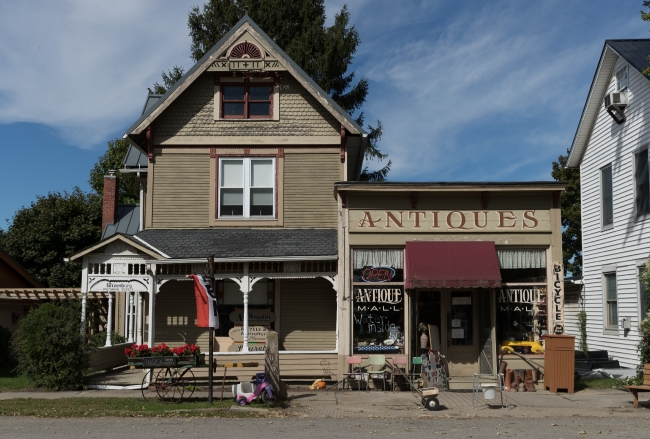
489 393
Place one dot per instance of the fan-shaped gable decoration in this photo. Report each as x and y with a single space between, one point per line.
245 50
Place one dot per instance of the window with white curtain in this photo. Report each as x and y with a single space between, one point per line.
246 188
378 265
522 265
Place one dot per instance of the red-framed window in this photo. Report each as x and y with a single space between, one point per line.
246 101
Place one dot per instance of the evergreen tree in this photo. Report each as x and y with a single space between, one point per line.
113 159
298 27
571 219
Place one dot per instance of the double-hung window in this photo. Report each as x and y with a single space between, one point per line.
611 301
621 79
247 101
247 187
642 183
607 204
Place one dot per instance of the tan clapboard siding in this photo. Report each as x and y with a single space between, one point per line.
181 191
308 315
176 316
309 189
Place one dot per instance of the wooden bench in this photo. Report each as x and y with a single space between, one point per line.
634 390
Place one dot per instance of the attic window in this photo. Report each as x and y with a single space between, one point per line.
247 101
621 79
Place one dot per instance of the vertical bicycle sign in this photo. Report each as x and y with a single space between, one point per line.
557 299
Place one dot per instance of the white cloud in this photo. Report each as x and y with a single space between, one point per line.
84 67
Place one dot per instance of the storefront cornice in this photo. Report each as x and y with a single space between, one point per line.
393 186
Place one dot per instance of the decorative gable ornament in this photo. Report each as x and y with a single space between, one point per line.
245 57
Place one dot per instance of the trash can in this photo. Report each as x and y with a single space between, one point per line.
559 363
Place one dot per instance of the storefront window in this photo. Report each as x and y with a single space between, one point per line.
378 309
230 301
522 265
521 316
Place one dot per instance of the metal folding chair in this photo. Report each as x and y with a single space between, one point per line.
415 374
352 362
378 362
396 362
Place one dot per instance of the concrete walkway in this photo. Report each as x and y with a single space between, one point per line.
353 404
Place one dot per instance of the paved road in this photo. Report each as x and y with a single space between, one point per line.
117 428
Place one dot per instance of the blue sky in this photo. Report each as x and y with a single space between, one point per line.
472 90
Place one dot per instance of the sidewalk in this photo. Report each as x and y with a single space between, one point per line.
374 404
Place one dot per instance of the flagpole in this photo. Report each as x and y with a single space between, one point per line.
211 333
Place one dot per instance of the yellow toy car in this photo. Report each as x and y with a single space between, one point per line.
509 346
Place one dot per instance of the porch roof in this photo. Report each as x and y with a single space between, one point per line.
241 243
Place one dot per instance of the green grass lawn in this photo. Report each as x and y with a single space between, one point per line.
600 383
10 382
123 407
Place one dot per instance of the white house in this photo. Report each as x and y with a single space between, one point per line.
611 149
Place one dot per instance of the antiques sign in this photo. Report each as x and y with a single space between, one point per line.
462 221
378 299
518 299
557 299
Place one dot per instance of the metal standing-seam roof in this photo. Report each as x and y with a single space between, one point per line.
291 66
127 221
635 52
241 243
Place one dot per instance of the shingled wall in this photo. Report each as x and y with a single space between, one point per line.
192 114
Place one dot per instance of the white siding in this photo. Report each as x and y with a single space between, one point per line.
628 241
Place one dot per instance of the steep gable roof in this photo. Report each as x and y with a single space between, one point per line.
635 52
19 269
246 24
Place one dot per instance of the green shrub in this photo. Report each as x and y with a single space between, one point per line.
582 324
643 348
7 362
49 348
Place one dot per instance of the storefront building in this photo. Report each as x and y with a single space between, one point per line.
459 268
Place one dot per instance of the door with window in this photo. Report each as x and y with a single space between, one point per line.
462 332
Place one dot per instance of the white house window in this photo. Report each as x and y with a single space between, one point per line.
607 194
611 301
246 188
621 79
642 183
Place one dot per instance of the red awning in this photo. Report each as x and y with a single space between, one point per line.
452 265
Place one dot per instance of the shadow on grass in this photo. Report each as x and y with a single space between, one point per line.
11 382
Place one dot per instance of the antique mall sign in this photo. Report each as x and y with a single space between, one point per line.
458 221
378 299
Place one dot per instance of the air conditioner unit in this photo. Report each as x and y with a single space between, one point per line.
618 99
615 104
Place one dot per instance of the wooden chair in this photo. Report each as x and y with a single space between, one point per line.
634 390
352 362
376 364
399 365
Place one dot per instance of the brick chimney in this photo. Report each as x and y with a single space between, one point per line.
109 207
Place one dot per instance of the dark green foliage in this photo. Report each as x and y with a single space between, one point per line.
170 78
645 16
571 220
582 324
50 229
98 339
113 159
49 348
298 27
7 362
643 348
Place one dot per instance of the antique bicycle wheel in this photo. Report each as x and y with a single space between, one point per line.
148 390
187 376
170 385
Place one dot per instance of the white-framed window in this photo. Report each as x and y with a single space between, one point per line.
611 301
246 187
607 204
622 79
641 183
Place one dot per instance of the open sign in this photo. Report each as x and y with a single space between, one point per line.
377 274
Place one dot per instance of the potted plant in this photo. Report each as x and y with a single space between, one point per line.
424 337
163 356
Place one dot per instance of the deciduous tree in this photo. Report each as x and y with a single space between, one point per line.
571 219
113 159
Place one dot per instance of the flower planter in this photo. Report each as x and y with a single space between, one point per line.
165 361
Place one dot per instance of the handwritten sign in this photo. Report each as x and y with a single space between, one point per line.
255 333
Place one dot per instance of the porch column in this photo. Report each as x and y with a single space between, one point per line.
131 316
84 298
109 321
139 317
245 287
152 310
